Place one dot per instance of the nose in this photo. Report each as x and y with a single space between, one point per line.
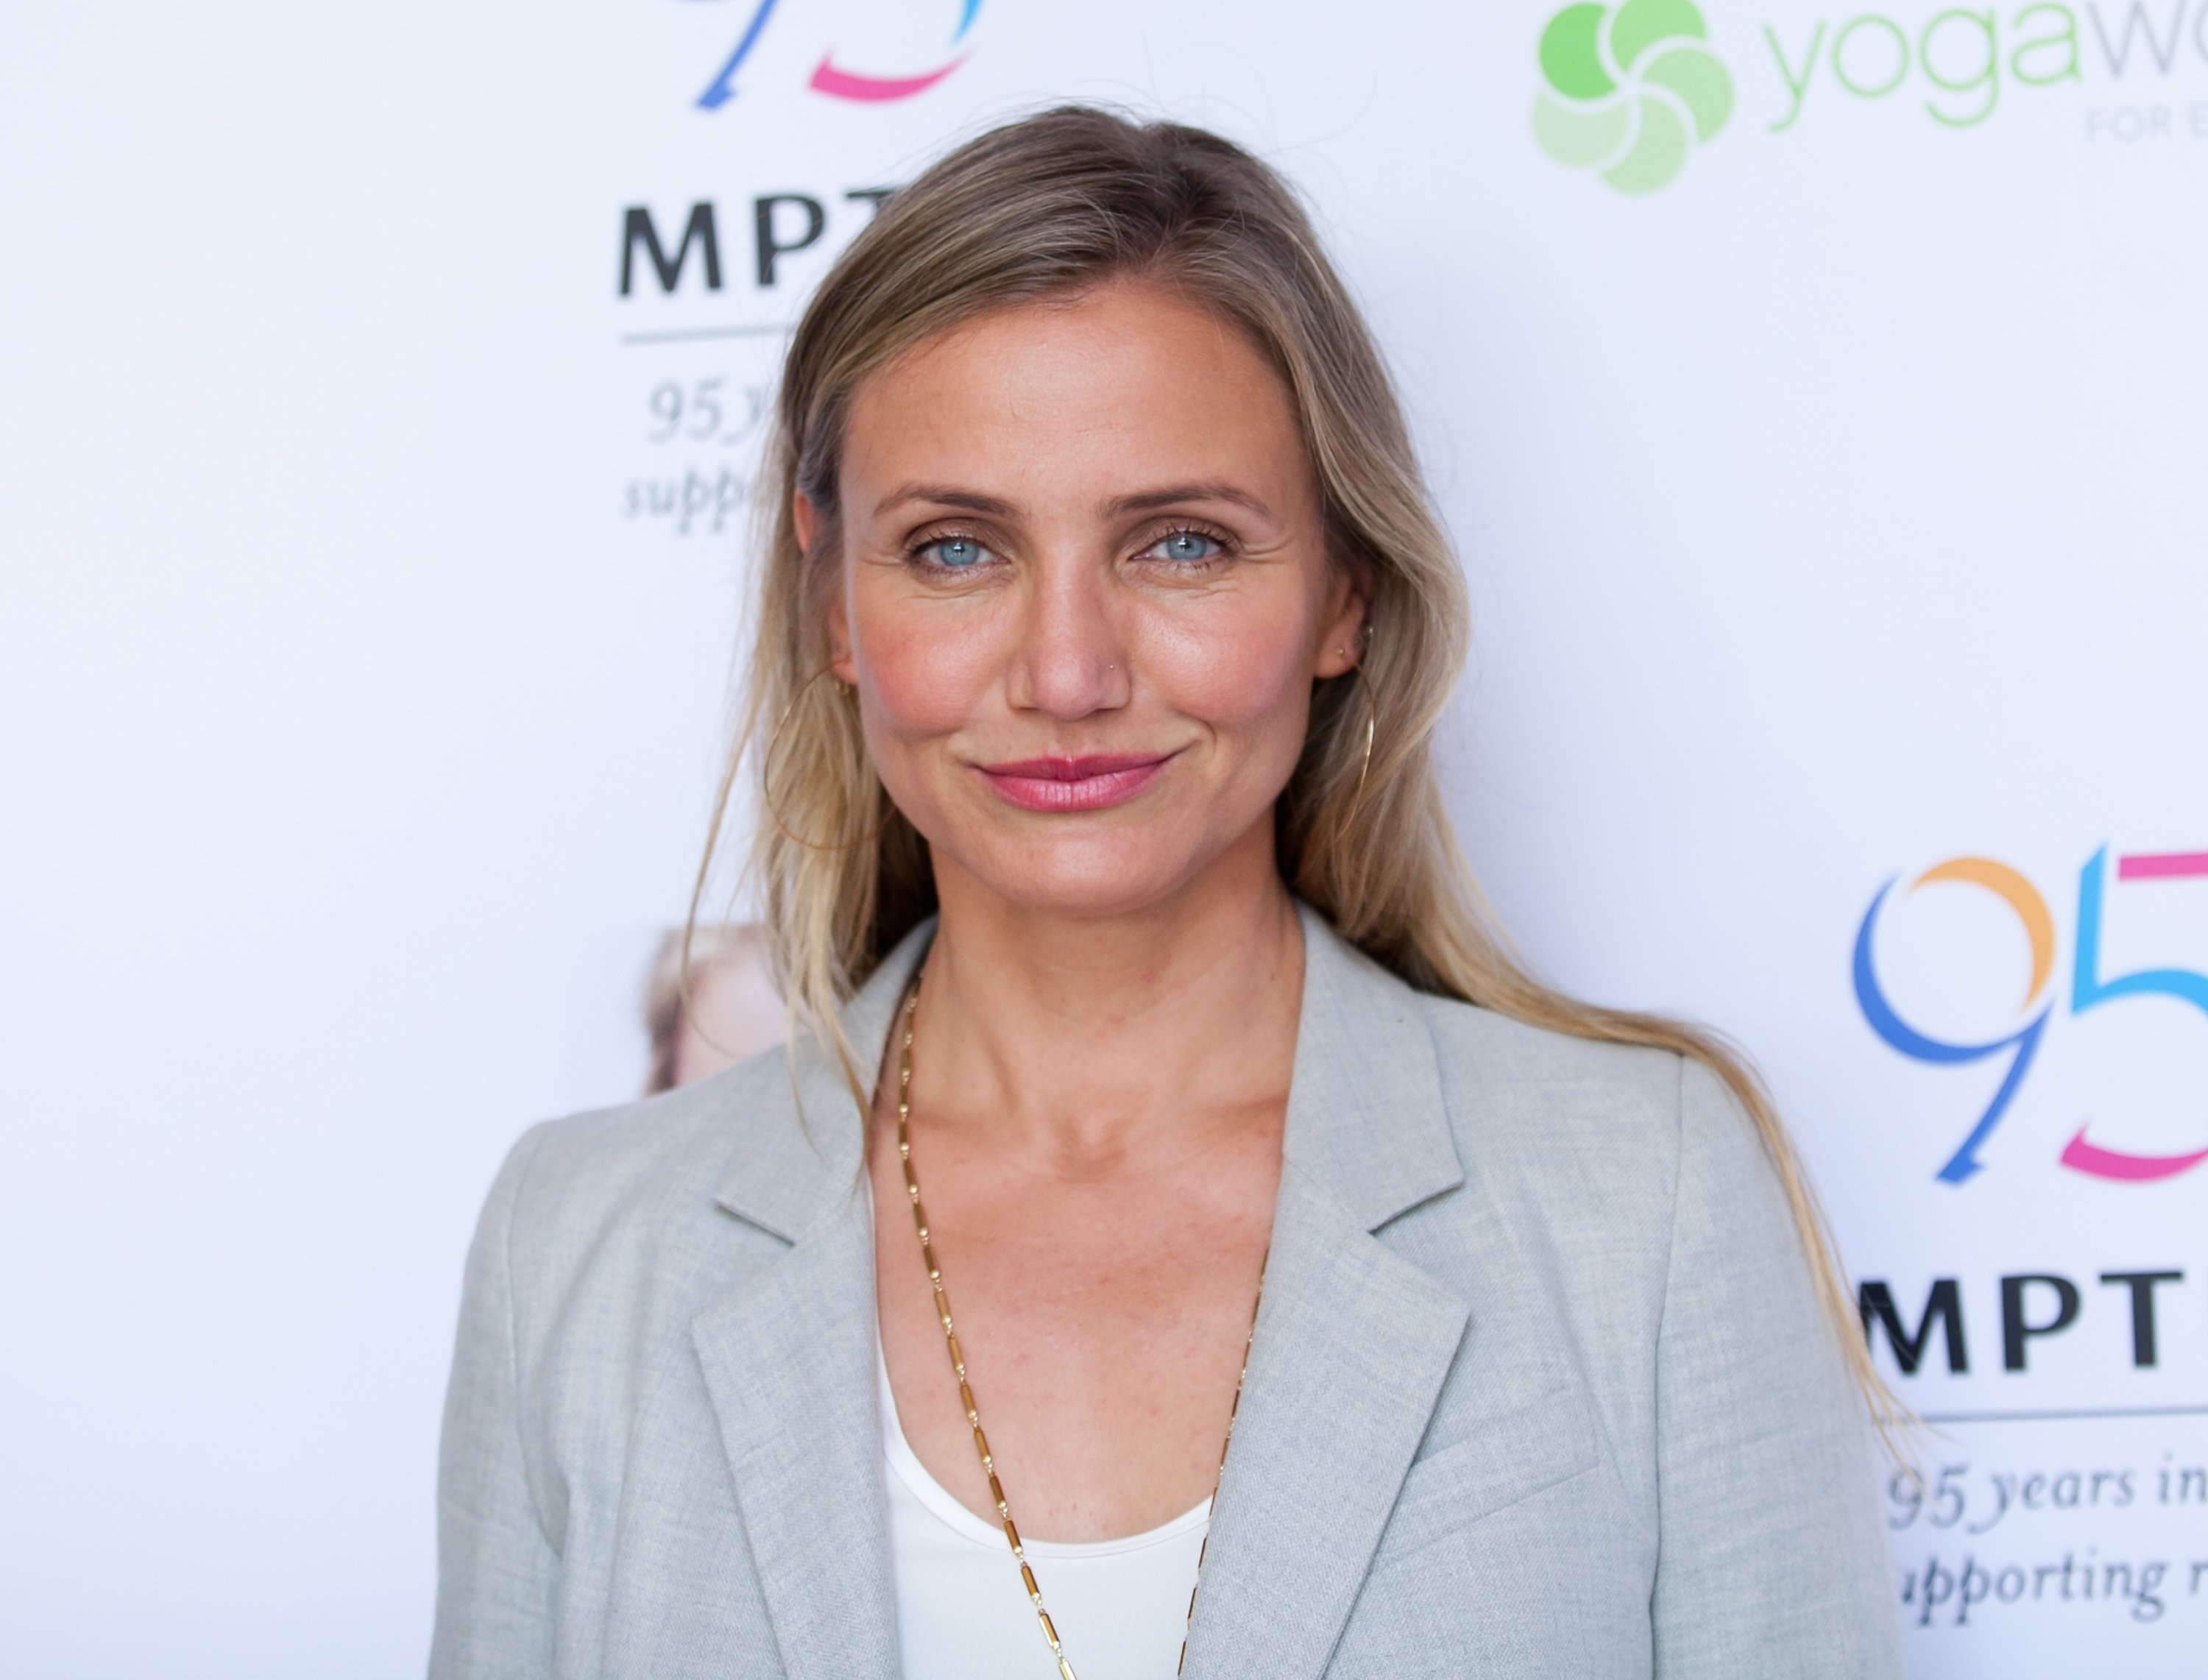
1071 663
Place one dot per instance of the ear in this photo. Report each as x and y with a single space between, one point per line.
841 663
805 519
1341 627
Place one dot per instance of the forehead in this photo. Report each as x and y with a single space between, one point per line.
1114 389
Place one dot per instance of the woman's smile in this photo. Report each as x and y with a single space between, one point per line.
1094 782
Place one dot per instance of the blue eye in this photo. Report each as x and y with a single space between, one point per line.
1186 547
955 553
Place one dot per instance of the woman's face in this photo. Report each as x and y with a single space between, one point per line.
1085 593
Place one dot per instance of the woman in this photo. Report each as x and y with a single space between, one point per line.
1105 623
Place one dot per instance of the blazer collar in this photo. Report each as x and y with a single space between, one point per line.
789 1359
804 1152
1353 1341
1366 1115
1352 1344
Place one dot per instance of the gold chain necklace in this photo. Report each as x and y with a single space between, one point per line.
966 1391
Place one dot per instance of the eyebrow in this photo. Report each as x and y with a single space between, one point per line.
1150 502
944 495
1145 502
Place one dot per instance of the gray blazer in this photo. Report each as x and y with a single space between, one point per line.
1538 1389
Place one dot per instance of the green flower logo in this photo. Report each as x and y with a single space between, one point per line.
1631 88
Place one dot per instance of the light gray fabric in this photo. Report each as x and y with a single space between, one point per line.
1539 1388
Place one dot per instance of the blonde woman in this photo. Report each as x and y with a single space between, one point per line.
1179 1235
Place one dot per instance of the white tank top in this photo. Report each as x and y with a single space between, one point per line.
1121 1606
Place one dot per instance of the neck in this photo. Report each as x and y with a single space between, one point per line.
1082 1038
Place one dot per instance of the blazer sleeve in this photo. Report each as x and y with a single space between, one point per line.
1771 1562
497 1572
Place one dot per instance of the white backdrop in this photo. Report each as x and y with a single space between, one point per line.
1832 506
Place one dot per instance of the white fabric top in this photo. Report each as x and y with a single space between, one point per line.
1121 1606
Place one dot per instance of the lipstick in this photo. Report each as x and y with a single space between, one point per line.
1094 781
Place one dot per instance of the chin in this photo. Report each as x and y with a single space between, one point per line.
1104 874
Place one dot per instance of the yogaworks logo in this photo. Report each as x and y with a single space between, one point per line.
1631 90
2090 989
836 80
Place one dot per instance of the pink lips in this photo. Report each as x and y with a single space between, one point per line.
1095 782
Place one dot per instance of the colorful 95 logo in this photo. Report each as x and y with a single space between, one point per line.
2090 989
837 80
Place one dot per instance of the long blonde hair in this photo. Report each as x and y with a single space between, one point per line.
1054 204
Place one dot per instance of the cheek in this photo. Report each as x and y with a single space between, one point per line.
1246 674
924 667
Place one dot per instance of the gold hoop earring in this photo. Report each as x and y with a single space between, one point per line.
766 778
1371 728
1371 715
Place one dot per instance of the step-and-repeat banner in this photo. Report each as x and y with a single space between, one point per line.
1815 391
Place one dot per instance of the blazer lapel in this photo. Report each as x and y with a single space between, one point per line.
1353 1343
790 1369
789 1366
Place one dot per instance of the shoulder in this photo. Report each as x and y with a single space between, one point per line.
1479 1044
1552 1095
1591 1133
593 1164
1543 1121
1626 1192
672 1197
603 1237
623 1189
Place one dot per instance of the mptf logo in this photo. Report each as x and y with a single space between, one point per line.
835 80
2089 990
1631 90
